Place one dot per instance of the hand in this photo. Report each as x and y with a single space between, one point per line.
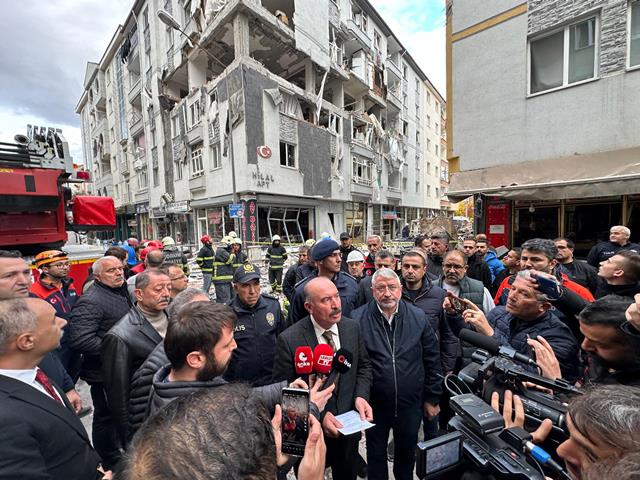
276 423
545 358
513 414
330 426
633 312
312 464
299 383
364 409
108 475
447 307
320 397
74 400
475 317
431 410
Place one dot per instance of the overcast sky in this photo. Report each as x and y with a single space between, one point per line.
45 46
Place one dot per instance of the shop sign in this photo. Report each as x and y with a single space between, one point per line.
158 212
132 223
214 216
142 208
250 220
236 210
177 207
389 215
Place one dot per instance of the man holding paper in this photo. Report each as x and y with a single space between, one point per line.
326 325
405 360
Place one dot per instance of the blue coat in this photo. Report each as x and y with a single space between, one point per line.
511 331
495 265
405 361
347 288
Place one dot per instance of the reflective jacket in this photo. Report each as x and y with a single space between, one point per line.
256 332
62 299
276 257
241 259
205 259
173 255
223 265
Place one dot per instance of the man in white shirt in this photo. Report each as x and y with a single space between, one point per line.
34 413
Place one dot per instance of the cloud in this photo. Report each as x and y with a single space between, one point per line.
44 49
420 26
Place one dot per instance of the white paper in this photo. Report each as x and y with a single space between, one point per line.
496 229
351 423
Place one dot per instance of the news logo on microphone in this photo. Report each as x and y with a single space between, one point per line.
304 360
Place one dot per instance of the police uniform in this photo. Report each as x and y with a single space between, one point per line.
256 332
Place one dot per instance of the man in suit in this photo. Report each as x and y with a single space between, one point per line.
34 412
325 324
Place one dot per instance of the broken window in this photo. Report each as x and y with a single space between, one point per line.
214 154
361 171
287 155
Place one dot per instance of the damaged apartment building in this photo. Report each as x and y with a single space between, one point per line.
298 116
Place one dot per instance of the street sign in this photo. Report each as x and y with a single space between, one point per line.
235 210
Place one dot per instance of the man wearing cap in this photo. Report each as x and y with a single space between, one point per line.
326 254
346 247
259 323
56 288
355 263
289 282
275 257
205 262
223 271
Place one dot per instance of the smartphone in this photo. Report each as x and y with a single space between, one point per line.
295 420
457 304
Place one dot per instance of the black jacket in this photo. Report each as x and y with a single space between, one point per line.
596 373
429 299
344 253
141 383
164 392
256 331
405 358
173 255
605 250
605 289
93 315
124 348
434 265
512 331
303 271
479 270
205 259
41 439
355 383
365 295
289 282
581 273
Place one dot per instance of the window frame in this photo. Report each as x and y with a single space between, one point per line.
215 151
196 155
628 65
295 154
365 165
566 29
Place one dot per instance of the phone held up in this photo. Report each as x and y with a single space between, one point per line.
295 420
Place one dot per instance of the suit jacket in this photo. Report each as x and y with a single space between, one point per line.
41 439
355 383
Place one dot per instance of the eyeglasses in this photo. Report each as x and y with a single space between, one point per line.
60 265
384 288
450 266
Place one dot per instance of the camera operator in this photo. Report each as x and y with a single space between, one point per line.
604 423
526 315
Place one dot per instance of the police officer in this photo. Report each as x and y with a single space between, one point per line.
223 271
276 256
205 262
326 254
173 255
259 323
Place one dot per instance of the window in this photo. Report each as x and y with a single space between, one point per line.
428 190
437 128
214 153
364 23
377 41
417 186
428 144
437 106
428 121
194 113
634 34
437 152
437 192
428 168
418 86
197 167
405 128
361 171
287 155
143 178
563 57
177 167
186 11
156 177
418 137
429 97
405 71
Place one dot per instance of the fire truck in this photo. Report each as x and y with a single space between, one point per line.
37 207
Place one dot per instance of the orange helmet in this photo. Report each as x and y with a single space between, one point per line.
49 256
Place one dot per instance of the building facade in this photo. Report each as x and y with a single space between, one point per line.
299 114
543 116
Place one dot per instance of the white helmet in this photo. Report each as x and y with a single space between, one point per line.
225 240
236 241
168 241
233 234
275 237
355 256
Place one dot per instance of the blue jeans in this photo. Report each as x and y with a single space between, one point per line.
206 282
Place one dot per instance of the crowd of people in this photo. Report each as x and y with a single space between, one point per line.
184 386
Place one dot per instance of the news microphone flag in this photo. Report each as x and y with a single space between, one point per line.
342 362
322 359
303 361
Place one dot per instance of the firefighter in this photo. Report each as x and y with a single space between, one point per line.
56 287
173 255
223 271
236 248
205 262
276 256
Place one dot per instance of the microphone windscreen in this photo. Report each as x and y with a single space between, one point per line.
342 360
322 358
303 360
479 340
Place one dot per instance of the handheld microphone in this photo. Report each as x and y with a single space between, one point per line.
322 359
342 361
303 361
492 346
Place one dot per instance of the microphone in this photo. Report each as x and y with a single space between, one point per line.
341 364
492 346
303 361
322 359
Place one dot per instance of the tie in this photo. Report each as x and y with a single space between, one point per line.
328 336
43 380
